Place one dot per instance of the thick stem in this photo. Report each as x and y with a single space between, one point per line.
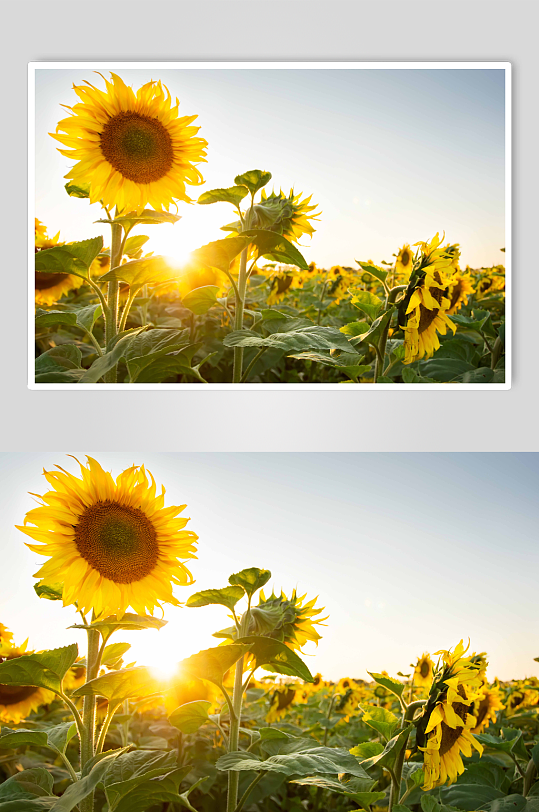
396 777
380 355
234 735
238 318
87 749
112 294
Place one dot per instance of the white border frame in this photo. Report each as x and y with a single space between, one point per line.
99 65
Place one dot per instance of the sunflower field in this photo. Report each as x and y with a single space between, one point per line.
246 308
244 724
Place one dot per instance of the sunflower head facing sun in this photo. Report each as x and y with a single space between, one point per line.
132 148
445 729
110 543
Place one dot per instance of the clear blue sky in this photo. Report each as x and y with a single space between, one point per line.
408 552
390 156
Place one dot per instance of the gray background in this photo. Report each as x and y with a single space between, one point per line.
72 30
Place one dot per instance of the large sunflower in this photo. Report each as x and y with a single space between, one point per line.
112 544
18 701
444 732
50 287
426 316
132 148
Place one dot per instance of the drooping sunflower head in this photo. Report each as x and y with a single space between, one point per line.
405 261
111 543
424 314
294 619
17 702
295 214
132 148
491 282
50 287
459 288
433 256
424 671
281 284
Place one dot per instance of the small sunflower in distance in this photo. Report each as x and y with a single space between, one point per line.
111 543
17 702
460 286
132 148
297 624
50 287
423 671
405 261
485 706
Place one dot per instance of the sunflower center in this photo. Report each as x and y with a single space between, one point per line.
425 668
405 258
455 293
482 711
12 694
118 541
450 735
427 316
44 281
140 148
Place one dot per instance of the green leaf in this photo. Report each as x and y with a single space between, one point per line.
228 596
250 579
366 750
374 334
79 189
44 669
75 793
120 685
10 739
113 654
374 270
479 375
234 195
220 253
87 316
59 736
304 757
26 784
363 798
199 300
430 804
368 302
410 375
382 720
155 792
254 179
52 592
444 369
149 345
75 258
355 328
390 752
304 338
189 717
275 656
276 247
109 359
391 684
128 622
469 796
213 663
133 245
59 365
48 318
146 271
147 217
168 366
132 769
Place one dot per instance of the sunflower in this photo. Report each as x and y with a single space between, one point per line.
295 214
444 731
484 707
132 149
491 281
19 701
50 287
425 317
6 637
76 676
423 671
280 285
459 288
349 696
405 261
112 544
296 627
281 699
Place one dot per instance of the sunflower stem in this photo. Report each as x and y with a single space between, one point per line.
397 775
87 748
234 734
112 294
238 317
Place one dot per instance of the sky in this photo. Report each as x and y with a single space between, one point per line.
390 156
407 552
